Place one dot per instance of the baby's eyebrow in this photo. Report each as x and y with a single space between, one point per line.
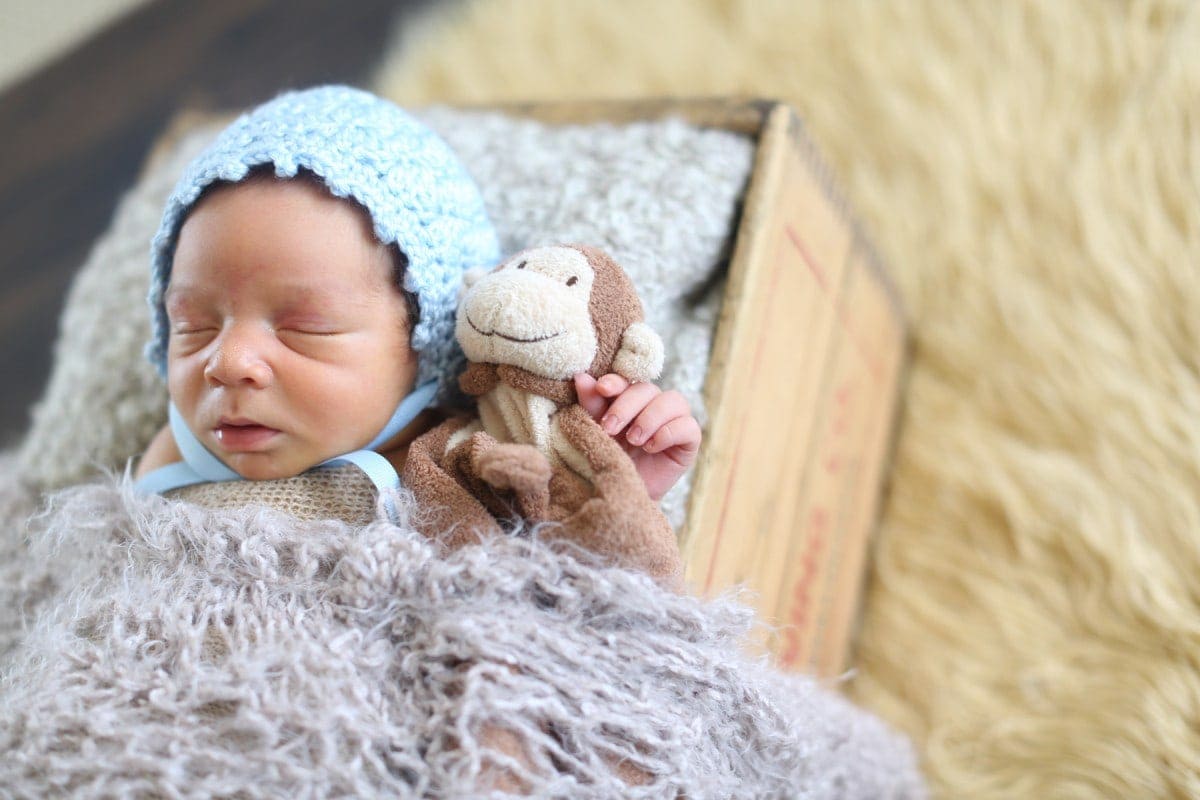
296 298
318 299
182 294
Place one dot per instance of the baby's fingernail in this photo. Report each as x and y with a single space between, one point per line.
609 423
635 436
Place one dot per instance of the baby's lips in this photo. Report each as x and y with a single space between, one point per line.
239 422
243 437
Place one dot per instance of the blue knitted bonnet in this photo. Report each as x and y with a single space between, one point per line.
418 195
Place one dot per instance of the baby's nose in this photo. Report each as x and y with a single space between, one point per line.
238 360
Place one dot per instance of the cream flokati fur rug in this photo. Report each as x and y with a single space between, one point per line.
1031 172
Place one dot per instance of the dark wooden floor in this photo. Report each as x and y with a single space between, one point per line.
73 136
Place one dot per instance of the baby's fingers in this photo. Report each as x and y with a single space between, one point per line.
681 436
591 400
627 406
612 384
661 409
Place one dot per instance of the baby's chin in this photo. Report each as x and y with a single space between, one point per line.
267 466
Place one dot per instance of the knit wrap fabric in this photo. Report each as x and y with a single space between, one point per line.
417 192
153 648
342 492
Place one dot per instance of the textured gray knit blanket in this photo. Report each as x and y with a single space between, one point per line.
155 648
184 652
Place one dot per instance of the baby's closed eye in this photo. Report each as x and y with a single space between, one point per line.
313 341
310 331
188 338
193 330
308 323
311 327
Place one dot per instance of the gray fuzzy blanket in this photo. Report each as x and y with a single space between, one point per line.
155 648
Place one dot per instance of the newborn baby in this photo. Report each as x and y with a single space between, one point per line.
303 289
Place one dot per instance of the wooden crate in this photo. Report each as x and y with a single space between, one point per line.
803 389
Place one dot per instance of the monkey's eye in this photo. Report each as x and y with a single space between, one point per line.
571 281
522 265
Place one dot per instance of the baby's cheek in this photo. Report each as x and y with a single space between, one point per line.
183 382
346 393
404 354
324 389
360 381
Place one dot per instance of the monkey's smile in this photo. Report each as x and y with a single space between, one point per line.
509 338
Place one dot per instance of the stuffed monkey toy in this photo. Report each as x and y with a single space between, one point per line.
527 327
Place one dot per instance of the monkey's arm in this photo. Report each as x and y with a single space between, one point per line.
621 520
447 511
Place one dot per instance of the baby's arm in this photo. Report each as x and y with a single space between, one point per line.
660 433
162 451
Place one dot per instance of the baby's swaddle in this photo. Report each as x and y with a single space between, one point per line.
341 492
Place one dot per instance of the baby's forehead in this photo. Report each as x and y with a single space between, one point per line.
268 219
262 187
291 291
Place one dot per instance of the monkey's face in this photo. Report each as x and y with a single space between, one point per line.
532 312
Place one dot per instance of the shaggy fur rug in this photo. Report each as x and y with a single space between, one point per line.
1031 172
176 651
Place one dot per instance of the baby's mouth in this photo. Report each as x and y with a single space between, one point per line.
242 434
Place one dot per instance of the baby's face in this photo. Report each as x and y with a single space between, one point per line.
288 338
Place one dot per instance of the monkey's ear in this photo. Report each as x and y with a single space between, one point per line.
640 357
469 279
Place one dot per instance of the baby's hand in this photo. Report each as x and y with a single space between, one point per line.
654 427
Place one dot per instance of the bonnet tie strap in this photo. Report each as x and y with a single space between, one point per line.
199 465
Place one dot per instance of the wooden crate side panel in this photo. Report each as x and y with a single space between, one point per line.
879 335
719 518
772 406
729 365
783 312
814 339
811 244
797 583
820 591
